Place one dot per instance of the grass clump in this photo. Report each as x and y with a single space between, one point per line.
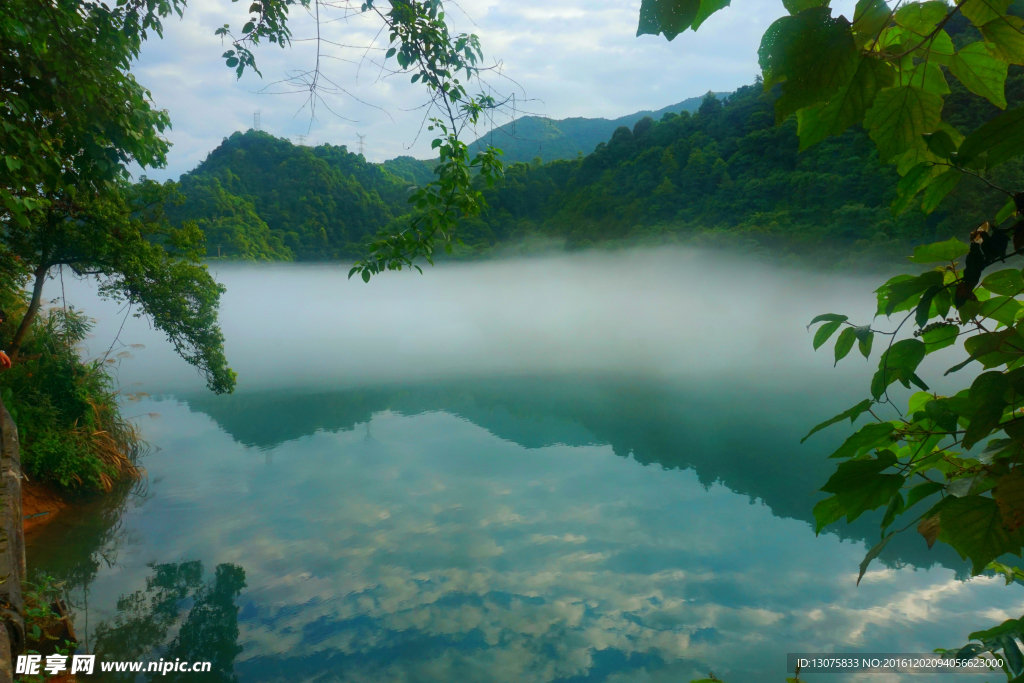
72 434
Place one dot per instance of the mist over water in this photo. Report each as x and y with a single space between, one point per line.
565 468
659 313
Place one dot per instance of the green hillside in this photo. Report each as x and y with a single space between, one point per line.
261 197
729 174
531 137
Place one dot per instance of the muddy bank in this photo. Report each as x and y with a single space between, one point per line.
40 505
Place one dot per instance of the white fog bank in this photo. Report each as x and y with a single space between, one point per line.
668 312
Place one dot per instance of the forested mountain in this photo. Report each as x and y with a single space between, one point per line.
724 173
261 197
729 174
531 137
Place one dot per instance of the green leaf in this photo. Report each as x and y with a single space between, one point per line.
986 397
670 17
831 317
941 144
1006 282
852 414
1006 38
973 526
867 437
899 117
824 332
872 554
913 182
861 486
981 12
950 250
1009 209
939 188
848 105
864 339
812 54
895 508
869 18
707 8
794 6
905 293
981 73
940 337
1012 627
845 343
826 512
899 364
1001 308
921 17
927 75
924 307
1001 138
922 491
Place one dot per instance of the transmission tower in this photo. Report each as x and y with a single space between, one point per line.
302 139
256 120
362 144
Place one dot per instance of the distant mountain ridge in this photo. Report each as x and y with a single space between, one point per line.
529 137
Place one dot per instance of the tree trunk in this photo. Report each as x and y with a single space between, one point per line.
30 314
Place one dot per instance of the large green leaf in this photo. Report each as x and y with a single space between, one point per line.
860 485
848 105
981 73
872 554
812 54
845 343
905 293
826 512
974 527
1006 38
869 18
707 8
939 49
911 184
921 17
796 6
984 406
927 75
939 188
899 363
940 337
950 250
852 414
874 434
1006 282
670 17
824 332
1001 138
900 116
981 12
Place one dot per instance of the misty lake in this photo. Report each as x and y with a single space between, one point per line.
579 468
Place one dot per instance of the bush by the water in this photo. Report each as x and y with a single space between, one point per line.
69 423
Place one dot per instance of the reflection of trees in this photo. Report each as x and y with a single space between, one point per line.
671 425
147 618
74 546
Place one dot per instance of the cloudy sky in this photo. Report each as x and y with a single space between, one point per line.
573 58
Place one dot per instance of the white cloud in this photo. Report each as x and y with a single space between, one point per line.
579 58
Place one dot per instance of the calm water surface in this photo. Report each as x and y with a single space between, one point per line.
582 469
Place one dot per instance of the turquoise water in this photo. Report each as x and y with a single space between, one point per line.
593 479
